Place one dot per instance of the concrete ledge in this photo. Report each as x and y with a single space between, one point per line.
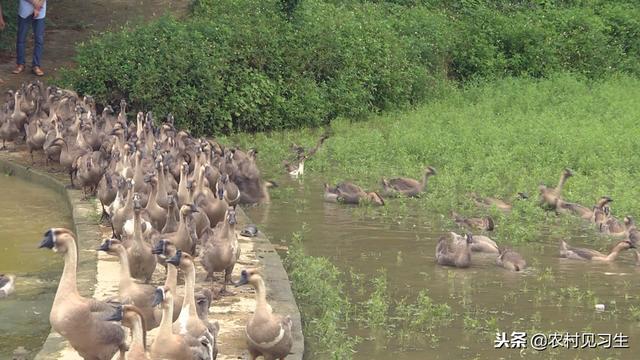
260 253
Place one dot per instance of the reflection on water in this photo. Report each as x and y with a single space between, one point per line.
553 295
26 210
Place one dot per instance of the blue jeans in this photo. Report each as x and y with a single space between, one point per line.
38 37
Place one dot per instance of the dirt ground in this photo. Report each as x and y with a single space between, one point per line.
70 22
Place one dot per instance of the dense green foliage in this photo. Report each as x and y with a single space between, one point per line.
8 35
274 64
495 140
324 307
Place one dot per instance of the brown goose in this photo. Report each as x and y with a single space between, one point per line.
406 186
489 202
81 320
35 137
267 334
549 196
349 193
221 250
485 223
189 323
131 317
129 291
168 345
456 253
511 260
570 252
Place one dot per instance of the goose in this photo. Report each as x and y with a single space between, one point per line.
69 154
185 237
406 186
510 260
129 291
489 202
349 193
36 137
18 117
167 344
550 196
454 254
293 169
171 223
143 262
485 223
107 192
8 132
221 250
7 285
89 169
183 192
227 190
81 320
189 323
120 215
267 334
569 252
481 243
157 215
52 149
131 317
161 185
164 249
583 211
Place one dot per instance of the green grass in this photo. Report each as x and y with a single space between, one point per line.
494 139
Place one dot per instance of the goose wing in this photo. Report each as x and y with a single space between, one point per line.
348 188
403 184
268 332
584 253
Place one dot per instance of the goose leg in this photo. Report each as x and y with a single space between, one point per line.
227 280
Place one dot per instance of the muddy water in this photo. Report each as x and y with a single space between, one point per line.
26 211
553 295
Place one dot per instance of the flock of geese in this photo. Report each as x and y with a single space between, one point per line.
170 199
455 250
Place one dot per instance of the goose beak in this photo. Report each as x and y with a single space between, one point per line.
158 249
175 259
117 314
244 279
158 297
48 241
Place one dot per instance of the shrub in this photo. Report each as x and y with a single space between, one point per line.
246 65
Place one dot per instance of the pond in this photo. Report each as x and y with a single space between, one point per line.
553 295
26 211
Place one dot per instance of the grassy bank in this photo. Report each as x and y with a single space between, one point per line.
494 139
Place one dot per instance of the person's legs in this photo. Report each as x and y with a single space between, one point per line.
38 37
23 29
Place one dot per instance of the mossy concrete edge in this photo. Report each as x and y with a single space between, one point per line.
88 232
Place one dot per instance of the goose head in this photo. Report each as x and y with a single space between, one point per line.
162 296
249 276
188 209
430 171
163 247
567 172
181 259
110 246
57 239
375 198
522 195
